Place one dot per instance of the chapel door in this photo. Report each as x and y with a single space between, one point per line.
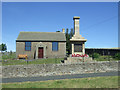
40 52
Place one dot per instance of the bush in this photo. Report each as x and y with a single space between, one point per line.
90 55
117 56
96 55
10 52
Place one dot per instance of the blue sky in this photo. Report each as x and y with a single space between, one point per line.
98 21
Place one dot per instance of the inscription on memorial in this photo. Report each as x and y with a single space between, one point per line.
77 47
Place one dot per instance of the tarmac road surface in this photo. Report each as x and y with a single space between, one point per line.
44 78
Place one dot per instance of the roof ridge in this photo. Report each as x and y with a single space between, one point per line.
53 36
40 32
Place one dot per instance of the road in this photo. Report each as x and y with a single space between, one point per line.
44 78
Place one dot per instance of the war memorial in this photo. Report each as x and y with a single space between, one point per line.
77 45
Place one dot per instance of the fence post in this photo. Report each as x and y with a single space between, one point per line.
108 55
27 62
55 59
103 52
93 54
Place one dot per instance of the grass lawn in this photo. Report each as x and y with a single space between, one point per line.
39 61
92 82
10 59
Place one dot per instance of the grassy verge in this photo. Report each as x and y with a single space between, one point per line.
94 82
39 61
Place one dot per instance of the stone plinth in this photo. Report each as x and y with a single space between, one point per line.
71 60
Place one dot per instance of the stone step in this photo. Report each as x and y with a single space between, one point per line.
78 59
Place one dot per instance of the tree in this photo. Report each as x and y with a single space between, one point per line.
96 55
67 40
67 34
71 33
3 47
57 31
68 37
117 56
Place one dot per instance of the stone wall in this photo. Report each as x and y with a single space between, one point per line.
20 49
58 69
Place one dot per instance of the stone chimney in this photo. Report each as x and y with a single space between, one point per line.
63 30
76 25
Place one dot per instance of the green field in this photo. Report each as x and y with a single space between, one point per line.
94 82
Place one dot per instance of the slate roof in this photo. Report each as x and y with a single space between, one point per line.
41 36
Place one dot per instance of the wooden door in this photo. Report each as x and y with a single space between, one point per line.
40 52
